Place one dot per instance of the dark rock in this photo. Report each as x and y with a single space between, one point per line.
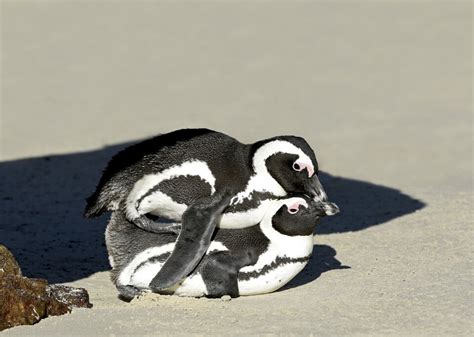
73 297
26 301
8 263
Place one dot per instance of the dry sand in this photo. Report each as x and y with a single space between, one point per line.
382 90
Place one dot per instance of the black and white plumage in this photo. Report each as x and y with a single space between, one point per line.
200 178
247 261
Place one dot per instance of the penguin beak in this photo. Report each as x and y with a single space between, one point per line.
330 208
321 209
315 190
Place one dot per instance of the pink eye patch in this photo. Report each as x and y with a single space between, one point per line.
301 164
294 204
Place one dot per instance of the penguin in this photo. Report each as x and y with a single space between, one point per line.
248 261
188 181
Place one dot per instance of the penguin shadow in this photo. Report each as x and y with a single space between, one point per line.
42 200
322 260
363 204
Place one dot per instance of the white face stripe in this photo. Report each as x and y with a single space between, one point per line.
189 168
279 146
290 246
262 181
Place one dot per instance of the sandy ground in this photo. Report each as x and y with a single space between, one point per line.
382 90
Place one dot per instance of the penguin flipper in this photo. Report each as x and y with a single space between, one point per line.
219 273
220 270
152 226
197 226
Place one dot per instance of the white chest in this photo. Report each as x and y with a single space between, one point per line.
279 264
246 218
271 280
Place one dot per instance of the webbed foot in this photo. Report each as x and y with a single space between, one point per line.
128 293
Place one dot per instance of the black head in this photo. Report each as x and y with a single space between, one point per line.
299 215
292 163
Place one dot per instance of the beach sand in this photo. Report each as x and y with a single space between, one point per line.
381 90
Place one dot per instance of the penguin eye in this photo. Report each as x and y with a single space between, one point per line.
293 210
297 167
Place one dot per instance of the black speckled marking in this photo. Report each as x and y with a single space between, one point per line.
160 258
244 276
254 200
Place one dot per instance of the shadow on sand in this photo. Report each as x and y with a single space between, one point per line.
42 200
323 260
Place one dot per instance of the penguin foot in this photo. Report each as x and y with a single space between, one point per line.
128 293
227 293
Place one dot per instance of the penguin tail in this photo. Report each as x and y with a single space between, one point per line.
94 207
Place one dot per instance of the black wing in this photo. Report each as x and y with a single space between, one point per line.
129 165
198 224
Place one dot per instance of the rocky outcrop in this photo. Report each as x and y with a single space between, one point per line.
8 264
27 301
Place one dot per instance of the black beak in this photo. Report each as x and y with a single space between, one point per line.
330 208
315 190
321 209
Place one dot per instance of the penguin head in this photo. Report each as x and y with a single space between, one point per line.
292 163
299 215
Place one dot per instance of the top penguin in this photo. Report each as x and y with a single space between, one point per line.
202 178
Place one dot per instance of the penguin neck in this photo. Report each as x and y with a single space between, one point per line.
290 246
260 180
261 177
264 181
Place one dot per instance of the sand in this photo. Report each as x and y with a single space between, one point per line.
382 90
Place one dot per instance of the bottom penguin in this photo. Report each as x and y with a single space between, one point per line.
248 261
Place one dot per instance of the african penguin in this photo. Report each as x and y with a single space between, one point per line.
247 261
199 178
